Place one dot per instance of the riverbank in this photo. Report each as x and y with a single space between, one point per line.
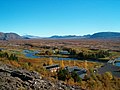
32 54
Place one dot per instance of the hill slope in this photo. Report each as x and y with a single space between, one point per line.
106 35
12 78
9 36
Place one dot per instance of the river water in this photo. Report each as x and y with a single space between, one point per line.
31 54
118 62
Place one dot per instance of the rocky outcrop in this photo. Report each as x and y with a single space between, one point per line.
9 36
14 79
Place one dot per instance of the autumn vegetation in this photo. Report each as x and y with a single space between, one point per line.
83 50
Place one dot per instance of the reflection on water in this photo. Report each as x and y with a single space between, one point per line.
117 64
31 54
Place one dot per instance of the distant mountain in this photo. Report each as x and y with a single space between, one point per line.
65 37
98 35
30 37
86 36
106 35
70 37
9 36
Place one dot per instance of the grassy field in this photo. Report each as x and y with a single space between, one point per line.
87 46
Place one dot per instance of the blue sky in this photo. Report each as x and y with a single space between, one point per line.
59 17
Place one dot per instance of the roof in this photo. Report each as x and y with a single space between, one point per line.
77 69
80 71
52 66
64 52
110 68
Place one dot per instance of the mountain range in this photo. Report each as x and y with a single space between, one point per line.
99 35
30 37
106 35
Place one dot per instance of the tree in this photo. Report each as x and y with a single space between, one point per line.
13 57
48 52
74 62
76 77
81 55
69 62
86 65
63 75
44 64
109 75
62 64
6 55
72 52
50 61
29 64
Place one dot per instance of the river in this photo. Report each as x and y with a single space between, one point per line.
118 62
31 54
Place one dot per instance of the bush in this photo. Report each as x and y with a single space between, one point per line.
76 77
63 75
13 57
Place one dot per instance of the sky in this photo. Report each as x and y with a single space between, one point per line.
59 17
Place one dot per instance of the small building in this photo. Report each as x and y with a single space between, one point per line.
64 52
53 68
1 49
80 71
53 51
